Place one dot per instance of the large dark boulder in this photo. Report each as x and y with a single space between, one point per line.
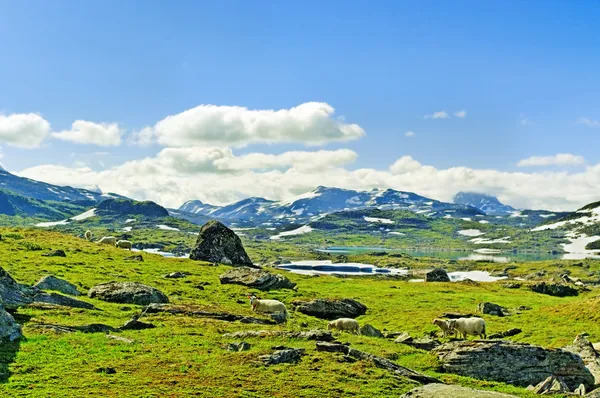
490 309
127 293
582 347
330 309
554 289
513 363
437 275
256 278
218 244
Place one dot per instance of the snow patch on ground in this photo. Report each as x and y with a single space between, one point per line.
576 249
466 219
483 241
471 232
593 217
129 220
397 233
51 223
83 216
378 220
483 222
298 231
166 227
547 215
127 229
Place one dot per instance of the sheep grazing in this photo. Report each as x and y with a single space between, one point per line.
445 326
268 306
88 235
123 244
468 326
347 324
108 240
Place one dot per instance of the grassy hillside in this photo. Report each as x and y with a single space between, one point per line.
186 356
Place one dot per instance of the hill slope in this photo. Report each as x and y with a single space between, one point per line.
488 204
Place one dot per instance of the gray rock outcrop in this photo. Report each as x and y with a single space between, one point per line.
256 278
13 294
490 309
450 391
368 330
9 328
582 347
218 244
51 282
288 355
330 309
127 293
554 289
437 275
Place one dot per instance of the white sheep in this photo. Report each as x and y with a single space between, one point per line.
268 306
108 240
124 244
348 324
88 235
445 326
468 326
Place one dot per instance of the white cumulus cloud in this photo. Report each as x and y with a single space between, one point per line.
438 115
235 126
588 122
560 159
409 134
84 132
461 114
26 130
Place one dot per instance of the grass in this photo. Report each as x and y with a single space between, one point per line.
185 356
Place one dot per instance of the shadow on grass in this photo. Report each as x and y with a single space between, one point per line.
9 349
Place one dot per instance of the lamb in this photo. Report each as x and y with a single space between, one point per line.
348 324
468 326
123 244
445 326
268 306
88 235
108 240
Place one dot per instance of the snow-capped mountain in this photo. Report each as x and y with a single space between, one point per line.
490 205
197 207
43 191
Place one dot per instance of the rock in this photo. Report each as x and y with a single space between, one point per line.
422 343
368 330
582 347
554 289
403 338
512 285
456 315
175 275
552 385
91 328
449 391
290 355
490 309
507 333
119 338
279 317
59 299
10 330
513 363
318 335
218 244
330 309
237 347
134 324
580 390
127 293
256 278
55 253
437 275
377 361
106 370
136 257
13 294
200 313
51 282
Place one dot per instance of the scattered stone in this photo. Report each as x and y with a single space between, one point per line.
108 371
127 293
218 244
523 308
554 289
450 391
51 282
512 285
377 361
582 347
175 275
552 385
513 363
507 333
135 257
238 347
456 315
291 355
490 309
368 330
134 324
330 309
402 338
437 275
318 335
195 311
256 278
55 253
422 343
59 299
120 338
279 317
91 328
9 328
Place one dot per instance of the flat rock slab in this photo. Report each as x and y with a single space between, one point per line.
450 391
330 309
59 299
318 335
91 328
218 244
50 282
127 293
512 363
200 313
256 278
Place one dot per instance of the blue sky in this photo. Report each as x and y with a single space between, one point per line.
524 72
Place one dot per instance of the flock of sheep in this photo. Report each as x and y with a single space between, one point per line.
463 326
110 240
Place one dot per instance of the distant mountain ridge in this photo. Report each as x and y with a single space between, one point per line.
490 205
